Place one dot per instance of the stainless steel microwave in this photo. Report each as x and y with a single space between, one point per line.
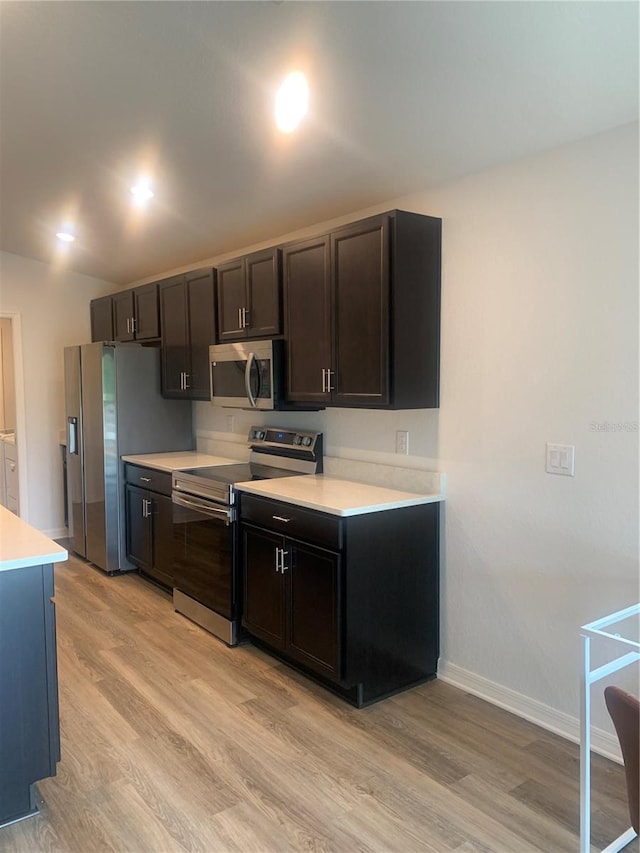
247 374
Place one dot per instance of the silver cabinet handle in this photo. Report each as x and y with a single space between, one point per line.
145 508
186 381
145 479
277 550
327 387
245 316
280 518
239 318
330 387
283 554
134 324
181 381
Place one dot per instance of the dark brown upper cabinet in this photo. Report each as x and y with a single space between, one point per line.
249 297
101 310
130 315
187 315
136 315
362 314
307 301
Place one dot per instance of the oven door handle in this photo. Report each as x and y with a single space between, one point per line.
205 509
251 359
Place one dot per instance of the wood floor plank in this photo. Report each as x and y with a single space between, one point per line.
541 829
172 742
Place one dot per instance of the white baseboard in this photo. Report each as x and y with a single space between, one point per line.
536 712
57 533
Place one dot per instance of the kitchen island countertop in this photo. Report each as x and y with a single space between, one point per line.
21 545
334 496
177 460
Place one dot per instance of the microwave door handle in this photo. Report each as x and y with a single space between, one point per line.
251 359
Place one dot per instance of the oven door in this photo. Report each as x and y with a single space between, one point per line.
205 553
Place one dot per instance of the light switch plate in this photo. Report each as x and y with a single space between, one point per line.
561 459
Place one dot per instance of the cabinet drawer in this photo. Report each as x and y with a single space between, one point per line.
293 521
148 478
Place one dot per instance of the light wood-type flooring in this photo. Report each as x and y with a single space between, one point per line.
171 741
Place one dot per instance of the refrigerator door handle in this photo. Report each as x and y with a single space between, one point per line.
72 436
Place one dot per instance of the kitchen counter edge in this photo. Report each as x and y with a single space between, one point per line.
178 460
21 545
333 496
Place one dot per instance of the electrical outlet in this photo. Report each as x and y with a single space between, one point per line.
402 441
231 423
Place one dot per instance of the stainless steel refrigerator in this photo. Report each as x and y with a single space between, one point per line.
113 408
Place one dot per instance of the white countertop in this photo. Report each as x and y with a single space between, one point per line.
22 545
334 496
177 460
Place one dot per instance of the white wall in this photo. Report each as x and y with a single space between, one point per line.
53 309
539 344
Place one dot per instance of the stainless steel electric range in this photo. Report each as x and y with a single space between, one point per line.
207 583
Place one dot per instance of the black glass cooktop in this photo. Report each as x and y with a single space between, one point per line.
240 473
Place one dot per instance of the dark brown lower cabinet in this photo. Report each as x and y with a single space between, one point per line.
29 721
352 601
291 598
149 523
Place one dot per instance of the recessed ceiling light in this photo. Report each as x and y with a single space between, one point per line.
141 193
65 236
292 101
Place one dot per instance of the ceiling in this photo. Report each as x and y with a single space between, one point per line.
404 96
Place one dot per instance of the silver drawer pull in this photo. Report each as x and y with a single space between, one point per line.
145 479
280 518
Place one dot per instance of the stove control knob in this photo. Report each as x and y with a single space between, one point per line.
306 440
297 439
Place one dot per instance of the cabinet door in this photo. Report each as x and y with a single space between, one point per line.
123 316
173 319
101 319
307 319
264 599
29 726
360 261
313 631
232 298
263 294
138 526
162 539
201 313
147 317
